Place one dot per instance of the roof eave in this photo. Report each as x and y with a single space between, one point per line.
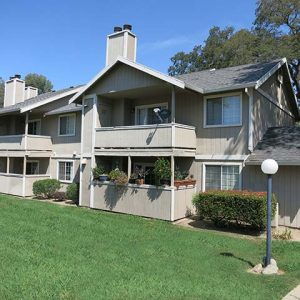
230 88
159 75
48 100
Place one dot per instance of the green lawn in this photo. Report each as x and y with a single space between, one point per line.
53 252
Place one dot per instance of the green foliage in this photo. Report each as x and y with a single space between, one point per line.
180 175
119 177
72 192
97 171
45 188
266 41
273 14
1 91
239 207
285 235
39 81
162 168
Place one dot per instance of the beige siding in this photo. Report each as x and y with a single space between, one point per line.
217 140
266 114
11 184
85 184
148 202
115 47
121 78
286 186
88 126
183 202
131 47
63 144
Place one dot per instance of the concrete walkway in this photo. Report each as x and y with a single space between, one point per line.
293 295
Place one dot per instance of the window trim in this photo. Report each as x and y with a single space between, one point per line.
66 115
240 94
72 173
36 120
147 106
220 163
34 161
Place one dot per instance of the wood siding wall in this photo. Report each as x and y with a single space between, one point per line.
286 186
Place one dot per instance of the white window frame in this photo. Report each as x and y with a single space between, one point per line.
220 164
36 120
67 115
147 106
38 166
240 94
72 174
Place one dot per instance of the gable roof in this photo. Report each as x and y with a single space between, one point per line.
72 107
39 100
279 143
242 76
147 70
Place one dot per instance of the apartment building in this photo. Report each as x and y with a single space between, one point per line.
216 121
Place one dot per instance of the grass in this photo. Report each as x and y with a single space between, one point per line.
53 252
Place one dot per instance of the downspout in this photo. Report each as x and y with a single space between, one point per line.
249 92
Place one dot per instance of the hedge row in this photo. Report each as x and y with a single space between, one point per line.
234 207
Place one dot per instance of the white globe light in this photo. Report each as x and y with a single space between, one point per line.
269 166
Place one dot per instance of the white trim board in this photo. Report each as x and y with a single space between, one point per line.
48 100
221 157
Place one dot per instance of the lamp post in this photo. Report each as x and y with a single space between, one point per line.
269 167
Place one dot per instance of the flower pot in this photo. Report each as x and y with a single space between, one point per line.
103 177
165 182
139 181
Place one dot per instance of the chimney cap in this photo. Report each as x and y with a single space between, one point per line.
117 28
18 76
127 27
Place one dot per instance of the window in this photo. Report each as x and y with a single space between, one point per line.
32 167
223 111
34 127
144 115
66 125
222 177
65 171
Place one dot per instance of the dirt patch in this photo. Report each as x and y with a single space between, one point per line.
196 224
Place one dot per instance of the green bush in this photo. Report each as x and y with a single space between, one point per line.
118 176
162 168
45 188
234 207
72 192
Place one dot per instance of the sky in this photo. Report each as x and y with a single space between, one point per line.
65 40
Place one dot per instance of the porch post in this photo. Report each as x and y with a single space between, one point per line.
7 164
24 177
172 170
26 130
173 105
129 167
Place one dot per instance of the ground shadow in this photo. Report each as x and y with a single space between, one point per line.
229 254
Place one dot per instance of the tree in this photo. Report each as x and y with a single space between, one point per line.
275 14
1 91
39 81
266 41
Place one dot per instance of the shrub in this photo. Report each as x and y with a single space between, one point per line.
45 188
119 177
162 168
59 196
239 207
97 171
72 192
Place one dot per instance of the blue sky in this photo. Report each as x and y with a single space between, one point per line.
65 40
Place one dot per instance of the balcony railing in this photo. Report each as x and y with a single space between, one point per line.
25 142
146 136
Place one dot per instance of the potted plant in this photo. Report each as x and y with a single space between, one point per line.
162 170
180 178
119 177
133 178
99 173
140 173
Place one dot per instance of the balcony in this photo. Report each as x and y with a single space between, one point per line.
169 135
25 142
